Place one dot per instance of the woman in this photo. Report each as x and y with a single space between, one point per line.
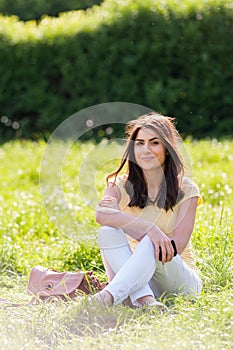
143 213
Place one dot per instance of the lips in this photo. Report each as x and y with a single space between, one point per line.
147 158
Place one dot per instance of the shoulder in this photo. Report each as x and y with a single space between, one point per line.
187 182
120 183
121 180
190 189
116 187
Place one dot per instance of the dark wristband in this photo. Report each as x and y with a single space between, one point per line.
173 246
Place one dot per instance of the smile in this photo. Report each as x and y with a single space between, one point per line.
147 158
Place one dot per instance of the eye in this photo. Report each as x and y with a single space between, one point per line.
139 143
49 285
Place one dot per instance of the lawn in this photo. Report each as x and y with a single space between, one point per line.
48 219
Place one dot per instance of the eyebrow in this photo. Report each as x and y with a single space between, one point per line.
153 138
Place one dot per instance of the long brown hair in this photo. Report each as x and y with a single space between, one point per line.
136 187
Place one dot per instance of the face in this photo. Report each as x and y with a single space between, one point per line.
150 152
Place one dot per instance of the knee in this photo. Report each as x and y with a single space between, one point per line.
110 237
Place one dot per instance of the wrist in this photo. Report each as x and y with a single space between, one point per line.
151 229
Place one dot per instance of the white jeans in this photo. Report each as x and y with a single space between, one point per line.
138 274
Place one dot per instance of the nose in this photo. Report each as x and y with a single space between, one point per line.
147 147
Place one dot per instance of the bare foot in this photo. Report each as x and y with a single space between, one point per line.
149 300
146 300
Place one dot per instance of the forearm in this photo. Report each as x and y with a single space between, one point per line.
137 229
184 224
133 226
180 242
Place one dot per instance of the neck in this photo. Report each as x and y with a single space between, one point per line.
153 179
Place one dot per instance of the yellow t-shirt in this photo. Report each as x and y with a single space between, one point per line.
166 221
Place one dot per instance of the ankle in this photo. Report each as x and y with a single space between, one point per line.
108 298
104 297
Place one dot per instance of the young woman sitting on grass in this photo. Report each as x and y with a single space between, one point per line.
143 213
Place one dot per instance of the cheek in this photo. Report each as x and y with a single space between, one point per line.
137 157
162 153
164 156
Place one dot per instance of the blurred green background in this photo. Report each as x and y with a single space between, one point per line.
174 57
35 9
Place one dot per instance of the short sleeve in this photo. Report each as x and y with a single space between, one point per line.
120 182
190 189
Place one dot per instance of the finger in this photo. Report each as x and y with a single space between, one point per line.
169 251
109 198
156 245
109 203
164 253
104 201
106 204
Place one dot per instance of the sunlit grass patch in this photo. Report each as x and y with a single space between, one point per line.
204 323
28 237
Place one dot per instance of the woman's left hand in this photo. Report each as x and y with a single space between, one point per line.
161 243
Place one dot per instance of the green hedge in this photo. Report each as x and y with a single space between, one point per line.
35 9
171 56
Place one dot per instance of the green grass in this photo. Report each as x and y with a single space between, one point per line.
68 242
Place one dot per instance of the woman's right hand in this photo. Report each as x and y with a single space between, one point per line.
108 204
161 241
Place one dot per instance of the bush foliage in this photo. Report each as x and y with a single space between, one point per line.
34 9
174 57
